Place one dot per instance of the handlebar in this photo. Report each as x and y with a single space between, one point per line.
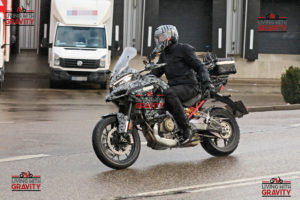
150 66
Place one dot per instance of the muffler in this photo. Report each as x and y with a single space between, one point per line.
163 141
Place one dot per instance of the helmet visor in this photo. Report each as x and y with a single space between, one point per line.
160 41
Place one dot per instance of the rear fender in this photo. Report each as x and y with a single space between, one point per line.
237 108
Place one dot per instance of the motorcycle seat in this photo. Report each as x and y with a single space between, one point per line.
192 101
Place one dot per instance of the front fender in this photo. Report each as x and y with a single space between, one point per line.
110 114
122 120
237 108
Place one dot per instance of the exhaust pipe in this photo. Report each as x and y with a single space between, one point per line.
163 141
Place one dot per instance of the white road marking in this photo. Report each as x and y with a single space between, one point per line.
212 186
295 125
143 143
25 157
7 122
233 90
235 185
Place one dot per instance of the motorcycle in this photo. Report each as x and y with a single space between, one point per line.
141 102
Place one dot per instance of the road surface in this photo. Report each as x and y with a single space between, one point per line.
48 132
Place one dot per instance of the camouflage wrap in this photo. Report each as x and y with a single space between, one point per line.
134 86
122 120
124 72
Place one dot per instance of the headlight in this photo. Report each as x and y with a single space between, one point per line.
56 60
102 61
123 80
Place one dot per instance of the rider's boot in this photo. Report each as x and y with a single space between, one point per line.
187 136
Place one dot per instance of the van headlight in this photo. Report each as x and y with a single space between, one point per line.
123 80
56 60
102 61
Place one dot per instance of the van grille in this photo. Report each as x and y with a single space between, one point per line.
86 64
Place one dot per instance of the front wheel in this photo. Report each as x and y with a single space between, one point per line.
114 150
230 134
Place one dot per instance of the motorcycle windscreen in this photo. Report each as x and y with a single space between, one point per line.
128 54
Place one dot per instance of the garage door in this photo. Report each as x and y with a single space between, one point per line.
281 42
191 17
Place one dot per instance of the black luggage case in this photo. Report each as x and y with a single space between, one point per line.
224 66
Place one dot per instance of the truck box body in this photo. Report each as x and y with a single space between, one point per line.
80 34
5 6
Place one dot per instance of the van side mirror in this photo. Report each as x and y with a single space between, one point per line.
45 43
115 47
13 39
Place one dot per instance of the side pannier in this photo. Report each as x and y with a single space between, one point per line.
224 66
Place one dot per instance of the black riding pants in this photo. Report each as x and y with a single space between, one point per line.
175 95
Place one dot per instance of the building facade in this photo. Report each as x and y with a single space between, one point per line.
240 28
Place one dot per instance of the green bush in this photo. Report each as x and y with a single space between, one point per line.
290 85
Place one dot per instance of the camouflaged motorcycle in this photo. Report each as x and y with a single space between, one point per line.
139 97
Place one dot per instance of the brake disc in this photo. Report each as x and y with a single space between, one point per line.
112 147
226 130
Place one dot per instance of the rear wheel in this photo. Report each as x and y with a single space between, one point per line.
111 148
230 135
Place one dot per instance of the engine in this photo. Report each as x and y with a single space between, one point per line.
166 127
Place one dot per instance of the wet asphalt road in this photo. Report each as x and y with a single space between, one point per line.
59 123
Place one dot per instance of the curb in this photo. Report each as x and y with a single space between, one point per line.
273 108
27 75
249 81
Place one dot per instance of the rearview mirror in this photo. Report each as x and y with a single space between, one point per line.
207 48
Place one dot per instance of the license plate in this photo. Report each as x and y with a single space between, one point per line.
79 78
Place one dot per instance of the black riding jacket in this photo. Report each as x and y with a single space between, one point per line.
182 64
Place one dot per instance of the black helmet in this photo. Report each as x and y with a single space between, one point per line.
165 35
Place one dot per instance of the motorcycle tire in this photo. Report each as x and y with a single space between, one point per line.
210 145
102 151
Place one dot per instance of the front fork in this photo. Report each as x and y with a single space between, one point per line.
124 123
128 122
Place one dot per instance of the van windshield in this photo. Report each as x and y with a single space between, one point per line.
86 37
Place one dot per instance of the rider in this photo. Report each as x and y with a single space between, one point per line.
182 63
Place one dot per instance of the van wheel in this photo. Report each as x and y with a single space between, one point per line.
53 84
103 85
